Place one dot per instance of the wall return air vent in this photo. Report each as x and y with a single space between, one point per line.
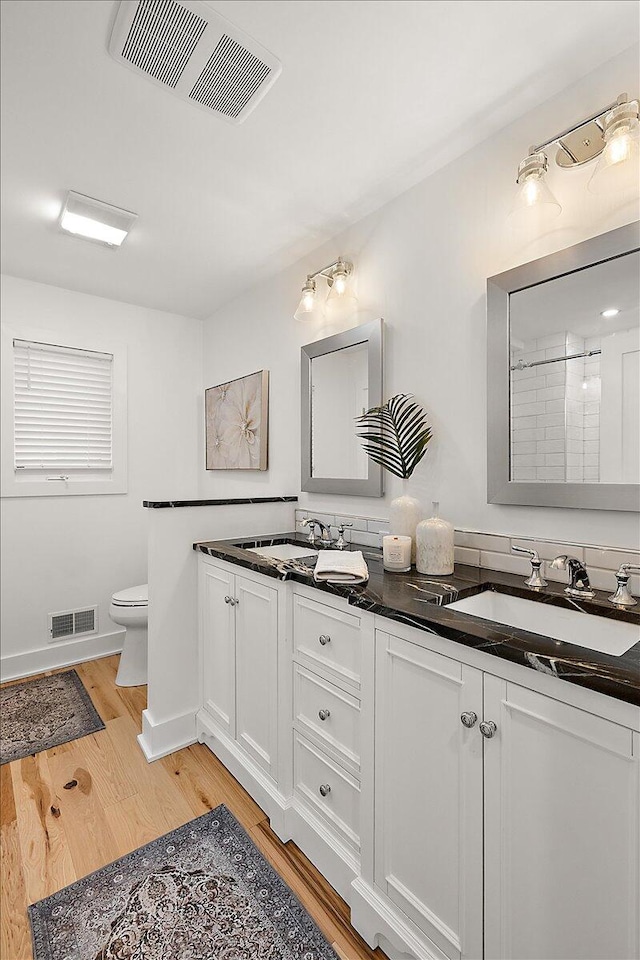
193 52
72 623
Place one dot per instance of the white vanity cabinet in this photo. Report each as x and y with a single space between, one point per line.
543 813
370 744
239 657
561 803
428 793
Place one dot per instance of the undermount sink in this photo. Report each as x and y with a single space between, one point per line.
603 634
284 551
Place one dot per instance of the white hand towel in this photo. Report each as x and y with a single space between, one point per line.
335 566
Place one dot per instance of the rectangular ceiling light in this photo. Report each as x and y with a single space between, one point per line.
94 220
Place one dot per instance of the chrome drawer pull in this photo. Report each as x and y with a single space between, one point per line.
325 789
324 714
488 728
469 718
324 639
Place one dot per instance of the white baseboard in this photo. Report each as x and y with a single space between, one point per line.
63 654
160 738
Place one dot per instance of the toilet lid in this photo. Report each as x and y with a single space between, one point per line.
132 596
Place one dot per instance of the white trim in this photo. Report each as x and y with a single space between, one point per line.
160 738
60 654
14 486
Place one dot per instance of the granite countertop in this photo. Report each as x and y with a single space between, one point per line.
421 601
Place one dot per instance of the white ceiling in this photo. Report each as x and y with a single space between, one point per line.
369 89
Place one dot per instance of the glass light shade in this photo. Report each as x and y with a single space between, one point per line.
534 202
618 168
309 308
342 302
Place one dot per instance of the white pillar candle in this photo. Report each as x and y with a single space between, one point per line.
396 553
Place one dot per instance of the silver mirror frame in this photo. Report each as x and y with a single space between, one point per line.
371 333
500 487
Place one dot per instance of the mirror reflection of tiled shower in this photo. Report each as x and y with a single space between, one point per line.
555 409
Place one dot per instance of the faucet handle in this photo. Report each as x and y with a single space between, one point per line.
341 543
536 579
306 522
623 596
530 553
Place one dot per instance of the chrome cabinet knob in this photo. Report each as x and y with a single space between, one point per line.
232 601
469 718
324 639
227 599
324 714
325 789
488 728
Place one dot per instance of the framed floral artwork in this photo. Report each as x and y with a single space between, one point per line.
237 423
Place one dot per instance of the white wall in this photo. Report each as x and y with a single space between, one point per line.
422 263
60 553
174 693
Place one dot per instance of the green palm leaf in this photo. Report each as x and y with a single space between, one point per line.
395 435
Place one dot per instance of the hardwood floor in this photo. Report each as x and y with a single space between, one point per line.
53 834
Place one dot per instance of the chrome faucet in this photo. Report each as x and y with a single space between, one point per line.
579 585
623 596
537 569
325 535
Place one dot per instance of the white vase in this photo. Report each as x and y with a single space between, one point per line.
405 513
434 554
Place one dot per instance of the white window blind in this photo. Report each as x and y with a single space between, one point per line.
63 416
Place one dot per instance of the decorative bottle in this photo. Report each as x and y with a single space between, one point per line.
405 513
434 554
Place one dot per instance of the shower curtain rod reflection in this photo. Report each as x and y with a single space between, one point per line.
523 364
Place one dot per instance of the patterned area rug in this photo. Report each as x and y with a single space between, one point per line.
202 892
39 714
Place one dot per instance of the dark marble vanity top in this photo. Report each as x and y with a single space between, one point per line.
421 601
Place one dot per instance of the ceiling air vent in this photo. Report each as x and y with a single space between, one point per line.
189 49
71 623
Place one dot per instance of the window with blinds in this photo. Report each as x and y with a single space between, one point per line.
63 409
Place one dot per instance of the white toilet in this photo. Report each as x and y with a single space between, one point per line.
130 608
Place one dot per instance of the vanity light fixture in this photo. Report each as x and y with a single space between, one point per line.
95 220
534 193
619 158
612 134
611 312
340 302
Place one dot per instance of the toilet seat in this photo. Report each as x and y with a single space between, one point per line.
132 596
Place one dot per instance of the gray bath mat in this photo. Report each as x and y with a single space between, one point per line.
39 714
202 892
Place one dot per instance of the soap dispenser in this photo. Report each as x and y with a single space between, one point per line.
434 545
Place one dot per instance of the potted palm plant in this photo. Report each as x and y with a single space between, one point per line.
396 436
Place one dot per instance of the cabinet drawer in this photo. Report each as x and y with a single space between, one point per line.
328 639
338 804
315 698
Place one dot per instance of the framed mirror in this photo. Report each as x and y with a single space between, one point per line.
563 340
341 379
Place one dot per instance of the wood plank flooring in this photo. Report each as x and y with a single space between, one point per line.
52 834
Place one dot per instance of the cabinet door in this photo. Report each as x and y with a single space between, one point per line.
217 625
257 671
561 831
428 793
